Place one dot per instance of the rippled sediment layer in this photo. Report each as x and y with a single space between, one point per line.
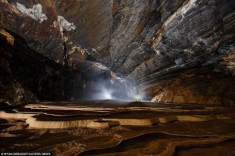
118 128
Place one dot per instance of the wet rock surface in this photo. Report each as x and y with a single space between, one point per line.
68 128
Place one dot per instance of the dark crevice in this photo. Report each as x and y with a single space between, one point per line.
65 55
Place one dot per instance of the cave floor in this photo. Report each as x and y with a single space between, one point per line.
119 128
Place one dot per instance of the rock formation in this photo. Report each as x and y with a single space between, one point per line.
170 51
118 128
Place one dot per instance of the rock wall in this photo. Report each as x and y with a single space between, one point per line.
26 76
198 85
137 41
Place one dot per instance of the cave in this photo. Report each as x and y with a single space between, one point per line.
117 77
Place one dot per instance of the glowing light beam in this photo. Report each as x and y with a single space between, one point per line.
107 97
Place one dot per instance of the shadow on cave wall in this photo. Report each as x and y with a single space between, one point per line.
27 77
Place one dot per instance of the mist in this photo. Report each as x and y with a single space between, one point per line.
103 87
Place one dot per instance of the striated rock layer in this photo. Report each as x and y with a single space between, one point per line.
122 128
199 85
140 42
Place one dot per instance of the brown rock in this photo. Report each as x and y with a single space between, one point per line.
5 66
202 87
4 1
8 37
